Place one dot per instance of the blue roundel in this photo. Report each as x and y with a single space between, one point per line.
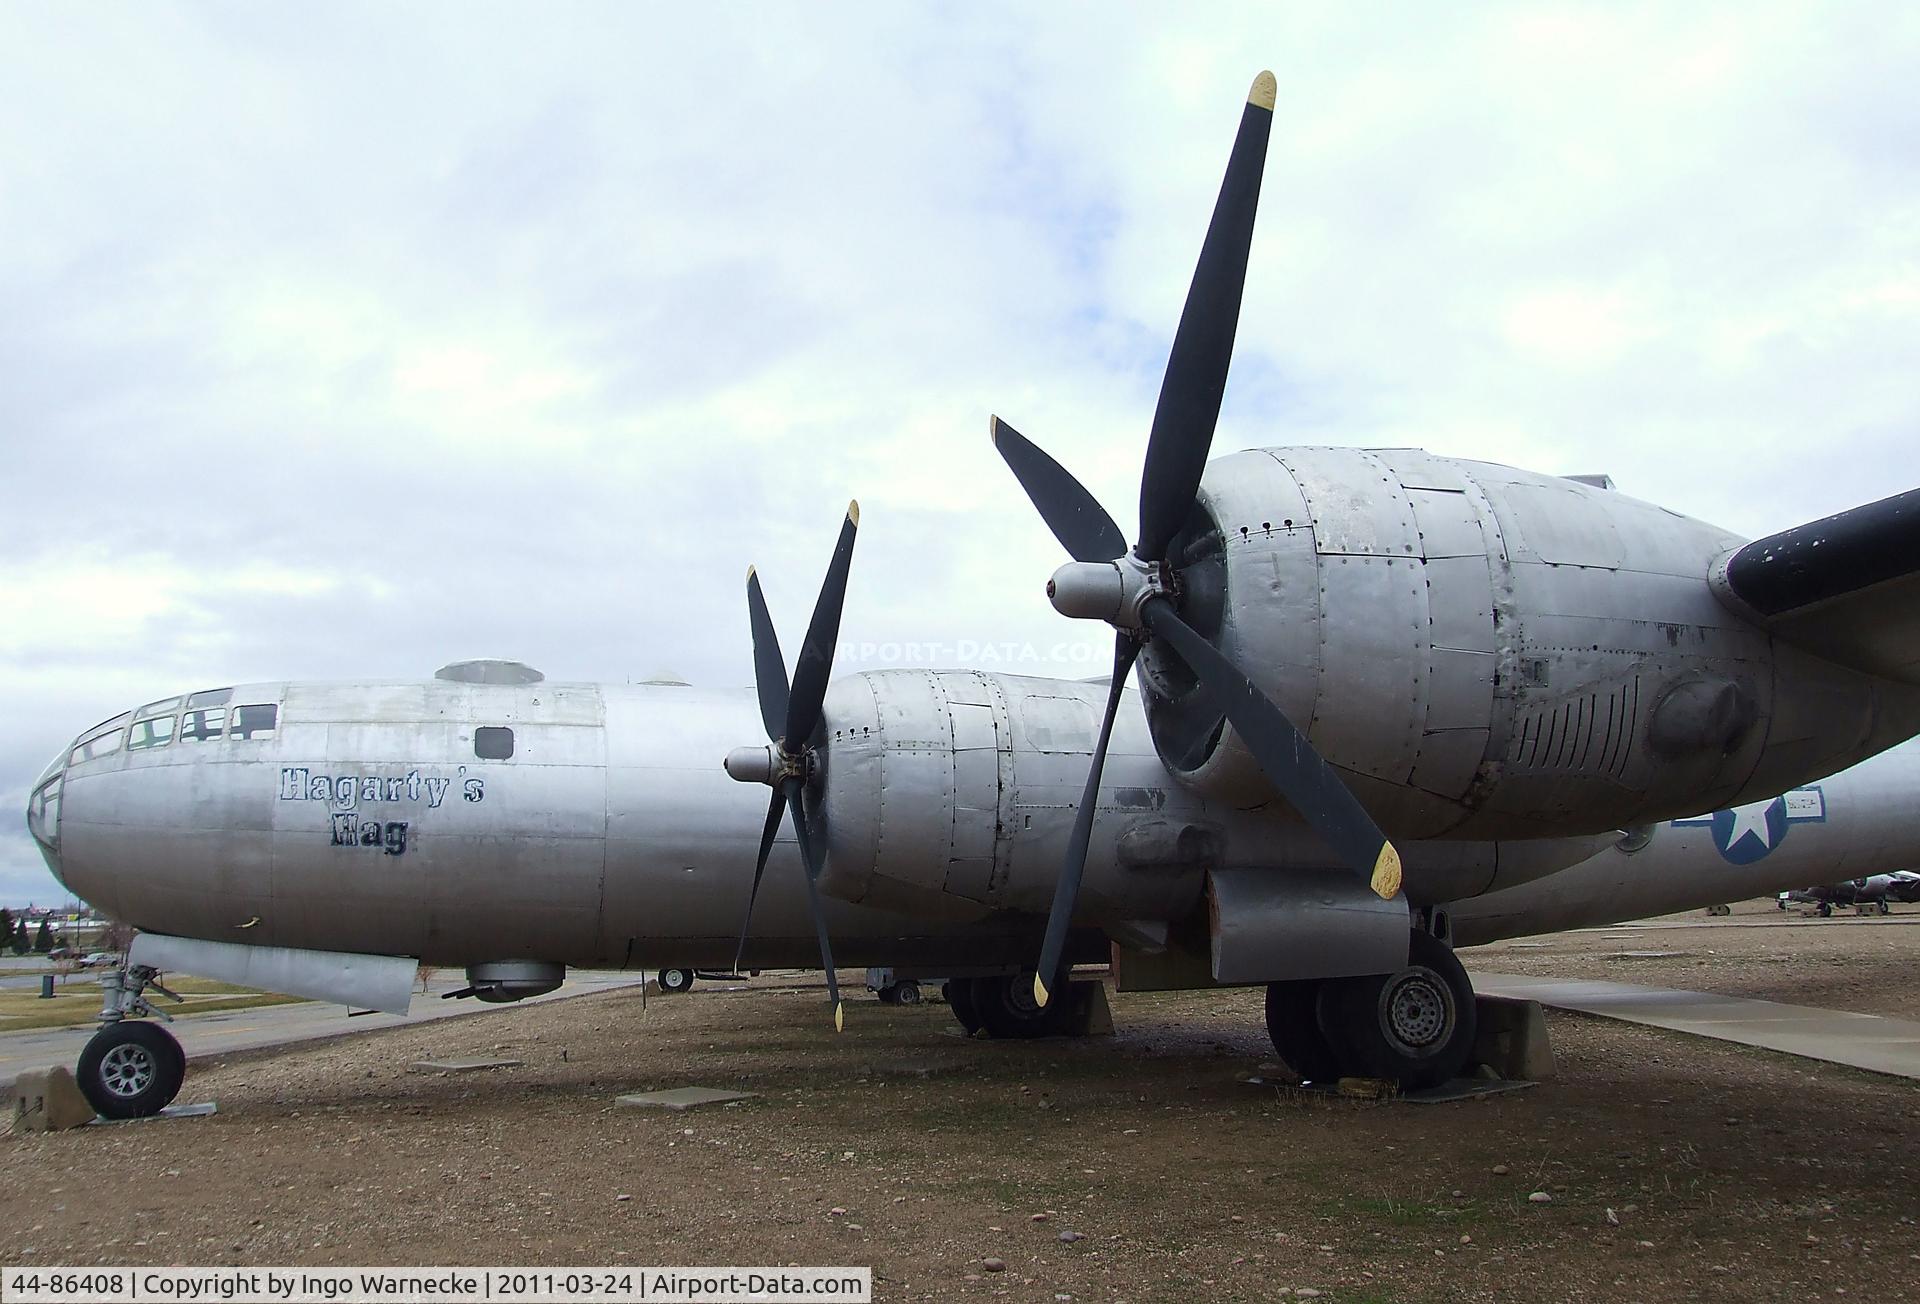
1744 836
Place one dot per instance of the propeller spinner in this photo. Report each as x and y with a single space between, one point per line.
791 714
1138 590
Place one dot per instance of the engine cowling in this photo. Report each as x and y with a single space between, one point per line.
1491 653
951 794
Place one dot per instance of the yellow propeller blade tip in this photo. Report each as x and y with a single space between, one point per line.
993 429
839 1017
1039 991
853 511
1386 873
1263 92
752 571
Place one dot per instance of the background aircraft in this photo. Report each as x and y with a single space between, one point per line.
1373 687
1871 890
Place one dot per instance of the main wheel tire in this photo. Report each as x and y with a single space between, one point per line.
1826 909
1294 1025
1415 1027
676 980
960 999
131 1069
1007 1007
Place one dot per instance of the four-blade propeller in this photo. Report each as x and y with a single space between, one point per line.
792 716
1137 590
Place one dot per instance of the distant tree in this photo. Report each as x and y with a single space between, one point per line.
116 936
6 926
20 943
43 940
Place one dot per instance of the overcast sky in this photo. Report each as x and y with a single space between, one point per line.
342 342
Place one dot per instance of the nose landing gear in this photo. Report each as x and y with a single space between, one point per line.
131 1068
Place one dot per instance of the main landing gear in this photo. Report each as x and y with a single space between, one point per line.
1004 1005
1415 1027
131 1068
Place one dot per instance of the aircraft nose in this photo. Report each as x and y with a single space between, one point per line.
43 817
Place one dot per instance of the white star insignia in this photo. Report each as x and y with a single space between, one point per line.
1751 819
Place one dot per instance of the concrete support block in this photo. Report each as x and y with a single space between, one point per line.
1512 1039
1089 1015
48 1100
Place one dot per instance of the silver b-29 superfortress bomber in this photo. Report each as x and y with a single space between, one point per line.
1375 692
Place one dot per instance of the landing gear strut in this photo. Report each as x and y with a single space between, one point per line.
1415 1027
131 1068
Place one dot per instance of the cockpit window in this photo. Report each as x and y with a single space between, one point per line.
43 813
101 742
157 732
165 706
204 725
255 723
211 697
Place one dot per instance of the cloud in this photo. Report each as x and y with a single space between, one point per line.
351 345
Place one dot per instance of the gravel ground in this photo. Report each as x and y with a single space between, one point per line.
1137 1167
1848 962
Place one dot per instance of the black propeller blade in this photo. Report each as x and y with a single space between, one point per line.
1284 754
815 663
1066 890
769 666
1196 376
1182 435
1075 516
791 714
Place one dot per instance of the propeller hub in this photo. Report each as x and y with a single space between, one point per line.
1113 591
752 765
772 765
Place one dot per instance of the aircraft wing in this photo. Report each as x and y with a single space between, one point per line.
1846 587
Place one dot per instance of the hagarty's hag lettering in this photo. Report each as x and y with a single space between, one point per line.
348 790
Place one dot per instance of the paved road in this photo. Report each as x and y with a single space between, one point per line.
1863 1041
1843 917
273 1025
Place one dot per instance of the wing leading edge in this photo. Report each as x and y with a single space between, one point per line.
1846 587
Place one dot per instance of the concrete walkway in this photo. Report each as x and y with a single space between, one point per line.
275 1025
1862 1041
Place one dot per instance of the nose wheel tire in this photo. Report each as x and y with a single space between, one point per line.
676 980
1415 1027
131 1069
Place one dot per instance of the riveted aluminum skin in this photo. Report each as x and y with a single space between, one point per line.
953 793
1536 657
369 823
516 828
1867 822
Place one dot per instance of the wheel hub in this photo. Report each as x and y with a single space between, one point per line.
127 1070
1418 1009
1020 1000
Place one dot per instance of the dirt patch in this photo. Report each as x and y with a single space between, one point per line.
1728 1173
1847 962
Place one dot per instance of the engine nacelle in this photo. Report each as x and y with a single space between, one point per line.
952 793
949 794
1491 653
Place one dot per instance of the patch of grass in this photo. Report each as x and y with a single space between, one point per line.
76 1004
